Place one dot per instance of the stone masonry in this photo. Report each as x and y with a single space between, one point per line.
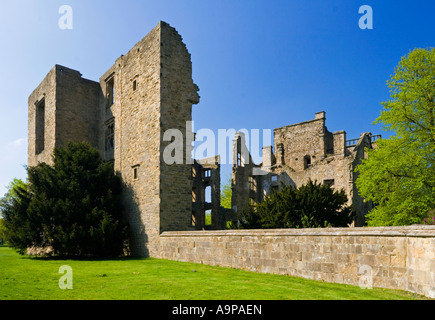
149 91
61 109
303 151
387 257
146 92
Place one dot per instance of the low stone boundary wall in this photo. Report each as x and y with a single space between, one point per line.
388 257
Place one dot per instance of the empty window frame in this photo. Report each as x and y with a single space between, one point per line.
307 162
280 151
193 194
207 194
193 220
239 159
207 173
110 91
110 138
40 127
329 182
136 172
252 183
208 217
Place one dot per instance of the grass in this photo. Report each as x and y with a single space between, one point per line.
25 278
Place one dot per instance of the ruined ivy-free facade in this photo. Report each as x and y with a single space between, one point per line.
301 151
147 92
150 90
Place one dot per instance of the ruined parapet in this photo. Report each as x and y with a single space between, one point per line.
339 143
300 145
178 93
268 157
64 107
358 153
242 175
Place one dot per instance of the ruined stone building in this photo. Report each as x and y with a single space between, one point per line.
300 152
125 114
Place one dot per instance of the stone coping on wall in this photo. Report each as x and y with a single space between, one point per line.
393 257
421 231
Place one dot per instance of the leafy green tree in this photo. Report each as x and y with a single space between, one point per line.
13 189
226 193
14 198
72 206
2 231
309 206
399 175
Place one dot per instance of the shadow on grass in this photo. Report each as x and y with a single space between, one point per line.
75 258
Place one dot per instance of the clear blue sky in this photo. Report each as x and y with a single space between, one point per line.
259 64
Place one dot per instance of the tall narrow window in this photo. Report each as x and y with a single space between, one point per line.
252 183
110 139
208 217
136 172
207 194
110 91
40 127
208 200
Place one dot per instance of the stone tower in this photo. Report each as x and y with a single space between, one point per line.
147 91
64 107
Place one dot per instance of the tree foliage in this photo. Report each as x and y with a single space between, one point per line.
2 231
226 193
13 190
309 206
399 175
72 206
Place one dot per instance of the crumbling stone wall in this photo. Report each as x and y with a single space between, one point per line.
178 93
206 176
153 92
303 151
150 90
135 113
70 113
146 92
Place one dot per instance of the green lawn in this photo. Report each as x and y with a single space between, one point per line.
30 278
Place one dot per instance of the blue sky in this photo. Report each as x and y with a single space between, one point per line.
259 64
